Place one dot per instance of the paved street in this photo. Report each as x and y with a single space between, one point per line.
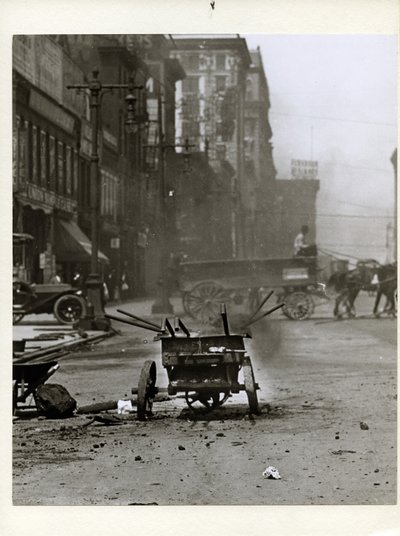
319 380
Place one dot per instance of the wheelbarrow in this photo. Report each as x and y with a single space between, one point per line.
205 369
27 377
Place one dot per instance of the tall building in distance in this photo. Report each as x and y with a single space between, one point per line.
222 107
210 114
259 169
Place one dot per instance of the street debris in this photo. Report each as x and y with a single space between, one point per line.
108 419
54 401
124 406
272 473
339 452
364 426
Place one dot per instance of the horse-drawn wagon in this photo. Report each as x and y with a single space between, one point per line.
207 284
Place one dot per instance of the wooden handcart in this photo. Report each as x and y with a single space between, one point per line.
207 370
27 377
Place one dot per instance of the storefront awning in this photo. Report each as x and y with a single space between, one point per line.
72 245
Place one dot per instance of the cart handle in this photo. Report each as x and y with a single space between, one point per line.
169 327
225 319
140 319
279 306
183 328
264 301
130 323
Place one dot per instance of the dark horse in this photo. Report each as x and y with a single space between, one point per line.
348 284
387 286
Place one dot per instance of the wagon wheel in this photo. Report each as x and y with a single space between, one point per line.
146 390
17 317
204 300
298 306
22 294
209 401
69 308
250 387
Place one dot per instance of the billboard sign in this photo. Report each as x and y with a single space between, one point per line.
304 169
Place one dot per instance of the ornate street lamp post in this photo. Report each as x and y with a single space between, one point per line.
95 318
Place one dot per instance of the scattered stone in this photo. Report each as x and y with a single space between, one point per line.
181 447
220 434
376 471
287 450
138 458
364 426
96 446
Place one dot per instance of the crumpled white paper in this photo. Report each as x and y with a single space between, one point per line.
124 406
272 472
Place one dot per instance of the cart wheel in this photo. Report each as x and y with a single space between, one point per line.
250 387
146 390
204 300
298 306
17 317
209 401
69 308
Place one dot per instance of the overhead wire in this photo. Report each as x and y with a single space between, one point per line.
342 120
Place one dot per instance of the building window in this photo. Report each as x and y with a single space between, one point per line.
52 163
250 90
68 170
44 158
190 130
193 62
34 155
220 62
220 83
74 164
60 168
190 84
190 107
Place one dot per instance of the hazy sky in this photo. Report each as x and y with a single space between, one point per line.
333 99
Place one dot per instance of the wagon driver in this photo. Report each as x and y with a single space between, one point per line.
300 240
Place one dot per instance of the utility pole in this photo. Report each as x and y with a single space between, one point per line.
162 304
95 319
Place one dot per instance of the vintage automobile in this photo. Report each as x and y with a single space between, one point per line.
66 302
